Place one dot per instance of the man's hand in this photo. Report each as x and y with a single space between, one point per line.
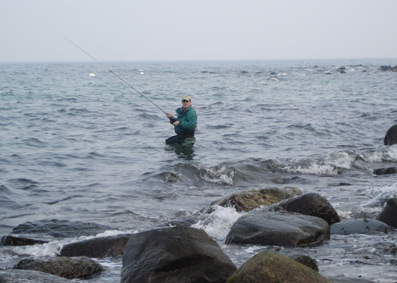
176 123
168 115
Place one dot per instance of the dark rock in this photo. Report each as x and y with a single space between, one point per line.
306 260
27 276
97 247
248 200
391 136
310 204
179 254
359 226
60 228
270 267
385 68
278 228
67 267
384 171
20 241
389 213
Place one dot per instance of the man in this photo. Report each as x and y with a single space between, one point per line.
184 124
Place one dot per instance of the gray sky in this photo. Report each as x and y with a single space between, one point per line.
130 30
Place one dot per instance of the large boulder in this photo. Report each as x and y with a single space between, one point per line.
274 268
391 136
250 199
359 226
67 267
97 247
27 276
178 254
389 213
310 204
278 228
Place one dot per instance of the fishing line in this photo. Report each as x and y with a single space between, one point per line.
110 71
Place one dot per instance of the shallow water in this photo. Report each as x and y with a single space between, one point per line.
88 148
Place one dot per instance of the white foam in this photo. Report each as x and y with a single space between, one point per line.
315 168
222 175
218 223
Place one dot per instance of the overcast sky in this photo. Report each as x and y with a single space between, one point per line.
130 30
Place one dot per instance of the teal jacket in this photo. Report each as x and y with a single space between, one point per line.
187 119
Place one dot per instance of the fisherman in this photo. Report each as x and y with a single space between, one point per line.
184 124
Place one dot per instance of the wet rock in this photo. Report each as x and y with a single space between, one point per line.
306 260
97 247
270 267
278 228
385 68
384 171
391 136
310 204
389 213
248 200
359 226
179 254
67 267
13 276
60 228
11 240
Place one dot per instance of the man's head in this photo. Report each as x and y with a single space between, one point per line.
186 101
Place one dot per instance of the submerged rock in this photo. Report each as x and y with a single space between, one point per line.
389 213
385 68
391 136
60 228
97 247
270 267
248 200
179 254
384 171
11 240
278 228
25 276
310 204
359 226
67 267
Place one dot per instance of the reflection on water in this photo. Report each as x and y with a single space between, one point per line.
182 151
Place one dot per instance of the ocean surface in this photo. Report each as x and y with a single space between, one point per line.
77 144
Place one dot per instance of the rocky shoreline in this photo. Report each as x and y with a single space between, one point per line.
185 254
275 216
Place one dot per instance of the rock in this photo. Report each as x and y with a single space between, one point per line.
67 267
359 226
278 228
20 241
389 213
384 171
310 204
306 260
270 267
391 136
97 247
178 254
385 68
60 228
22 276
248 200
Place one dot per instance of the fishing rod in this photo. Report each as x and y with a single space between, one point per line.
110 71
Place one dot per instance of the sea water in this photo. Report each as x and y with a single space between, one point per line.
79 145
